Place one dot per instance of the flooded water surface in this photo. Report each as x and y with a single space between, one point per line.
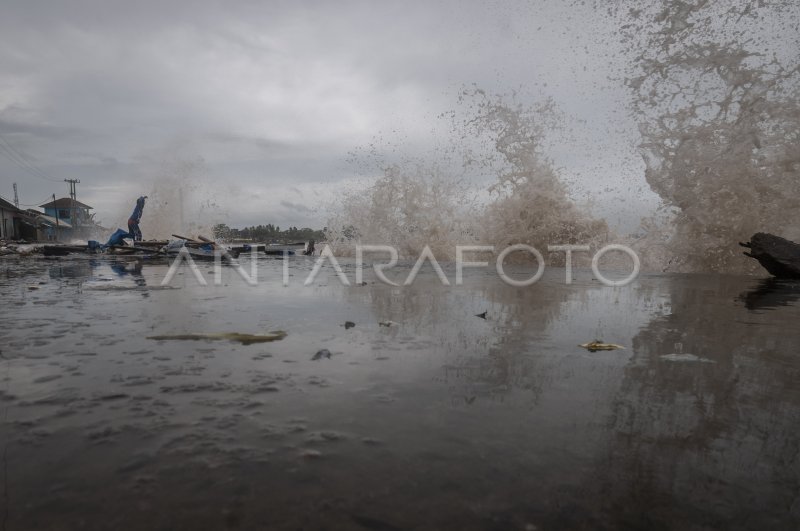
422 415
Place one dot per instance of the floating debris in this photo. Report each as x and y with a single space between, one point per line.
597 344
481 315
348 325
387 323
322 353
244 339
685 358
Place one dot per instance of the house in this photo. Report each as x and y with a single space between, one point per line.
71 217
70 210
44 227
10 219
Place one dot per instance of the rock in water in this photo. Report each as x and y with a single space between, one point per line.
779 256
323 353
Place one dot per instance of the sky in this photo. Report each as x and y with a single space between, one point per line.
265 102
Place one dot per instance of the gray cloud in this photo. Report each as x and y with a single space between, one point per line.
273 95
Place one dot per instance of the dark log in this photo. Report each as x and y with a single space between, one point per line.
64 250
192 240
779 256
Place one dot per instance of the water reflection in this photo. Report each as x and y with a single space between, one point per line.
106 274
74 270
424 413
714 442
772 293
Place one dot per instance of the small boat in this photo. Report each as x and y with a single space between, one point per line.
278 249
273 249
779 256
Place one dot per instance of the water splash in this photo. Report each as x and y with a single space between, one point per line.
717 98
531 202
502 190
180 199
409 207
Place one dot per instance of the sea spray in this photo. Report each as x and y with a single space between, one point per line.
531 203
717 97
180 199
504 189
408 207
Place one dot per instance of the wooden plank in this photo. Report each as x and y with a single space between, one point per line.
185 238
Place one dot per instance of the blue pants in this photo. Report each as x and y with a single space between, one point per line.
133 229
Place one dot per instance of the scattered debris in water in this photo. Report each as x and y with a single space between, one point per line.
348 325
244 339
598 344
322 353
481 315
387 323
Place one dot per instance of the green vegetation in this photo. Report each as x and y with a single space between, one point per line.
267 234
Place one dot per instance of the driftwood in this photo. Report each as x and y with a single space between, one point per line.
779 256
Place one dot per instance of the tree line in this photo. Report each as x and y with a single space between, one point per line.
267 234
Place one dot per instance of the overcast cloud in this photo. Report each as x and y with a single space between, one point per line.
273 95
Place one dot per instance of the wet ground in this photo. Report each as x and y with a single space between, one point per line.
442 420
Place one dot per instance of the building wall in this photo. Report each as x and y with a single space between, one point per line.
81 214
7 226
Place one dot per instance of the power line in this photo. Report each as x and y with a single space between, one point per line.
21 163
45 200
18 155
18 158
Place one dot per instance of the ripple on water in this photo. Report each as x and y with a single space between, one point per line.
196 388
46 378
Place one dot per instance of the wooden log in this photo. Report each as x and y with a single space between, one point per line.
185 238
779 256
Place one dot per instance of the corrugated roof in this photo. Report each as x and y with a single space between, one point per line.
64 202
5 205
52 221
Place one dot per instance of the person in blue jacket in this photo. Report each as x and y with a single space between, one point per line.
136 217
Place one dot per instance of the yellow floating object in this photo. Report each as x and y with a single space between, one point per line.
599 345
244 339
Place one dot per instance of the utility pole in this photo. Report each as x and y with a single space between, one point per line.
56 209
16 197
72 195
